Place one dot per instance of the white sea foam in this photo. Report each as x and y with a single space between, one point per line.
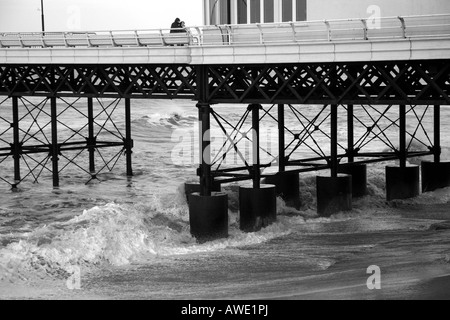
170 120
118 235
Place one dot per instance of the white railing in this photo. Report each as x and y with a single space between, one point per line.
407 27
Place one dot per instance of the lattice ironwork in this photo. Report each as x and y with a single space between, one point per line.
233 153
374 83
412 82
364 134
32 137
382 126
59 137
137 81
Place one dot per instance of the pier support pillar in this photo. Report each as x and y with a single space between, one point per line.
435 175
208 211
195 187
287 183
402 182
287 187
281 139
91 140
257 207
208 216
258 202
357 171
359 178
17 146
54 147
334 194
128 141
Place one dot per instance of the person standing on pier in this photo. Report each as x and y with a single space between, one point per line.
176 25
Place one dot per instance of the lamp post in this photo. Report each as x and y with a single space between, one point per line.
42 16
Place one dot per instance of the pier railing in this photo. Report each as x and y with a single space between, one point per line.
406 27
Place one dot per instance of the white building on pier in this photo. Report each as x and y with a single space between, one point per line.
266 11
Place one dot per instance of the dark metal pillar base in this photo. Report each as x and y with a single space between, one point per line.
435 175
208 216
257 207
195 187
334 194
287 186
402 182
359 178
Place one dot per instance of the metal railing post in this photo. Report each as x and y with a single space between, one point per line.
328 30
88 40
261 36
139 44
294 33
402 21
65 40
112 39
366 30
43 40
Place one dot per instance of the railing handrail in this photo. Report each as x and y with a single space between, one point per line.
230 33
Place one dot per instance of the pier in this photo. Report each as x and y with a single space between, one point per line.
338 69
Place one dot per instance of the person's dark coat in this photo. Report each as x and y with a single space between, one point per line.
175 25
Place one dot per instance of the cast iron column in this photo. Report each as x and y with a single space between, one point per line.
350 134
281 140
437 133
255 143
17 149
54 148
334 140
91 138
129 141
204 113
402 142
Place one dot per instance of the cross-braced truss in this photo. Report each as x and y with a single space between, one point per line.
59 137
365 134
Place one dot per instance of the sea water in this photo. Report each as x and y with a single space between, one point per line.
120 237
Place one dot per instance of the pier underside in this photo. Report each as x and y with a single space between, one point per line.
340 111
397 91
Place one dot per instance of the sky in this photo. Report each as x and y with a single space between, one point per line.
97 15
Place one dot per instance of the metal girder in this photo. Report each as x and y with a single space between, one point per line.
412 82
408 82
115 81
